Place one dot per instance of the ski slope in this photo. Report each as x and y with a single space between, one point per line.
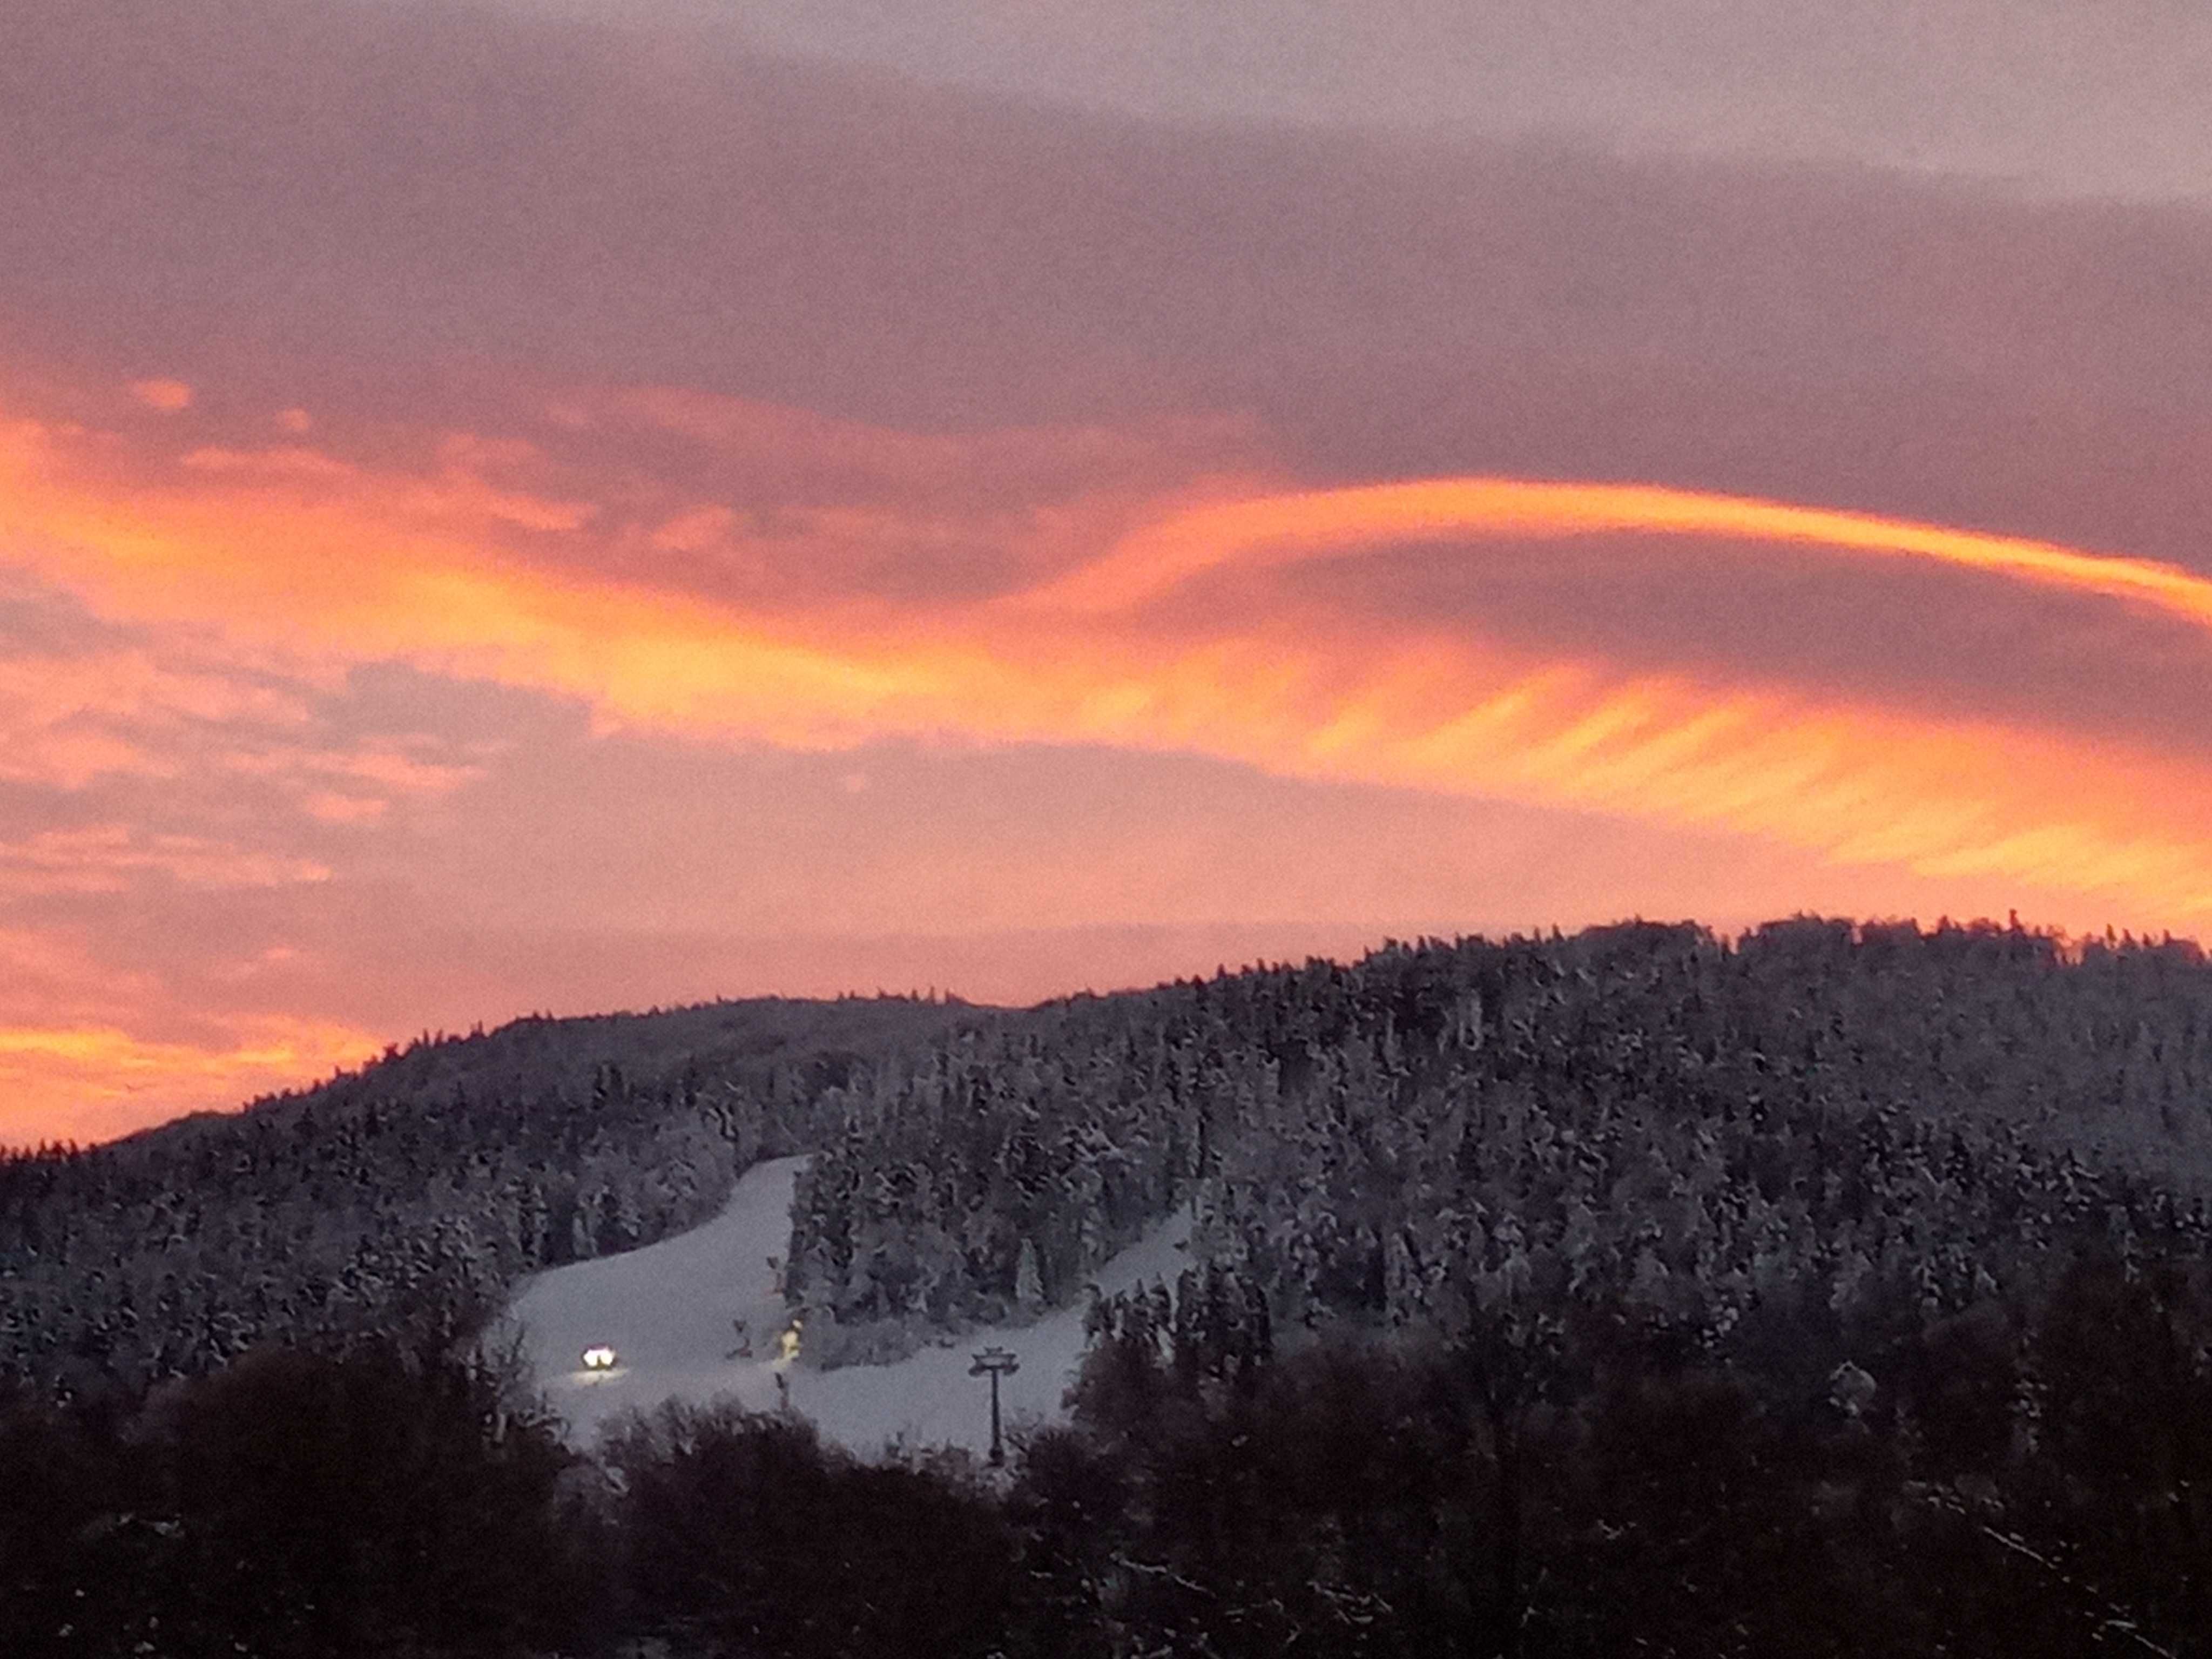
668 1311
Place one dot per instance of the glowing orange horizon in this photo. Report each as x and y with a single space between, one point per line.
91 1082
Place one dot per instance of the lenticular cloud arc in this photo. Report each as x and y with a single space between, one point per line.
1312 523
1859 783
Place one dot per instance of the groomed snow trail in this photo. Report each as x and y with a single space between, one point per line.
668 1311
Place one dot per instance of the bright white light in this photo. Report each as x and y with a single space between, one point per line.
598 1360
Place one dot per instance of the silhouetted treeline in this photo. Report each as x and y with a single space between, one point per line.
2028 1478
311 1504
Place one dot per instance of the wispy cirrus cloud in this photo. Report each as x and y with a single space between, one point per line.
111 857
460 573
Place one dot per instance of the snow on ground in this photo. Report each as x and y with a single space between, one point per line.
668 1311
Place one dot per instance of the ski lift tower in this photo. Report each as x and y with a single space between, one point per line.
995 1363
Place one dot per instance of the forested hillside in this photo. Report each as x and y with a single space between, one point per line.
1844 1125
1857 1118
412 1193
1838 1290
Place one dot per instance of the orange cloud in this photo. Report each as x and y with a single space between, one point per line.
67 717
1312 523
348 787
462 570
90 1050
108 857
1856 783
170 396
333 806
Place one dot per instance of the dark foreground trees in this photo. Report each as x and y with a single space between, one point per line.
741 1534
296 1504
2026 1478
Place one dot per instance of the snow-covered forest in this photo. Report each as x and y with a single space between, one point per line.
1635 1291
1851 1117
1857 1118
413 1193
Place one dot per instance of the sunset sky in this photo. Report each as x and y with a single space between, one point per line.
577 504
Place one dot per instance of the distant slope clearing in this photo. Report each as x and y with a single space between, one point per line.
671 1313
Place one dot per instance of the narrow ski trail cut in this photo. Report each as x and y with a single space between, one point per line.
669 1313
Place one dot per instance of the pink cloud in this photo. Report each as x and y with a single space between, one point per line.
450 576
170 396
111 857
